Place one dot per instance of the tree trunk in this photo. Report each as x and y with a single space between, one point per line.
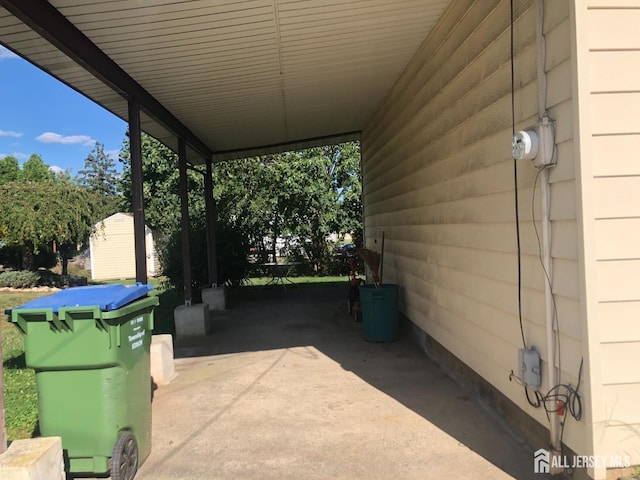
274 249
264 255
65 264
66 251
28 258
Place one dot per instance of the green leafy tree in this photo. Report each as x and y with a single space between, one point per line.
324 186
35 170
9 169
64 176
36 214
348 185
245 201
161 181
301 197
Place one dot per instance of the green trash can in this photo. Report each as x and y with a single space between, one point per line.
379 312
89 347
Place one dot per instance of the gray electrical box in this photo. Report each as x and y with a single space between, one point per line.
529 367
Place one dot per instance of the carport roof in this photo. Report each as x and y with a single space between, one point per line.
235 78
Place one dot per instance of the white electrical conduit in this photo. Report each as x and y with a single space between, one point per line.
552 373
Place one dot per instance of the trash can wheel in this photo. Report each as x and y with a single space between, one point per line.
124 461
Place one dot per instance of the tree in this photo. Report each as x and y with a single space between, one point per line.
35 170
245 202
99 174
9 169
64 176
33 215
161 181
348 185
100 177
324 185
301 197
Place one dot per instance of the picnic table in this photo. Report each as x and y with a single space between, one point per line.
278 271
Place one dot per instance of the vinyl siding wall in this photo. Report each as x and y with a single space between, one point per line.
438 179
612 80
113 249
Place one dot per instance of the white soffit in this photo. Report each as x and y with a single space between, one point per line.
245 76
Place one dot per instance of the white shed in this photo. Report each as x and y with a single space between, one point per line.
112 249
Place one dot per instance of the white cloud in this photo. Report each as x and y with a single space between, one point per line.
18 155
51 137
9 133
5 53
56 169
113 154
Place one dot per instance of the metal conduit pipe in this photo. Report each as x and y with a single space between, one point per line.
550 323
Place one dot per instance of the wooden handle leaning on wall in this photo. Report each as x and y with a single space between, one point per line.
381 257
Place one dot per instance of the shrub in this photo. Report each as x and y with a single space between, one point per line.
232 249
19 279
11 257
41 278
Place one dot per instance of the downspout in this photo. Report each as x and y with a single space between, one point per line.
552 373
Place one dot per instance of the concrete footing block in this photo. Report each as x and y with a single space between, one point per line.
215 297
162 366
33 459
192 320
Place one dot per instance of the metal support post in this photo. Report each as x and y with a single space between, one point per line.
210 206
184 221
137 202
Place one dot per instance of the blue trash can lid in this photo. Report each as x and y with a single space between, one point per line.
107 297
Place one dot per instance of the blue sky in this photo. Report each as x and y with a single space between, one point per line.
39 114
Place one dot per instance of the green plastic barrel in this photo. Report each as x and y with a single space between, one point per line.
93 379
379 312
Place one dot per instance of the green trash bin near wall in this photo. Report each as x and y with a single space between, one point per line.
89 347
379 312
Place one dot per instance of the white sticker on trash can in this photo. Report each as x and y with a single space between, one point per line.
137 321
136 340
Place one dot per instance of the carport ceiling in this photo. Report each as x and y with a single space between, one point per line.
242 76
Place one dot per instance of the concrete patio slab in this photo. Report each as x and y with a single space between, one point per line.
288 389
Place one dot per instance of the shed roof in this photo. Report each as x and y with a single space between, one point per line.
234 78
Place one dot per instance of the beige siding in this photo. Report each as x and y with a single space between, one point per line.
113 251
438 181
614 102
154 268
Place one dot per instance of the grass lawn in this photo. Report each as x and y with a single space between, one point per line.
21 408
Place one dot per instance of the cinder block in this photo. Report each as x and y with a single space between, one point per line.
192 320
162 366
33 459
216 298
